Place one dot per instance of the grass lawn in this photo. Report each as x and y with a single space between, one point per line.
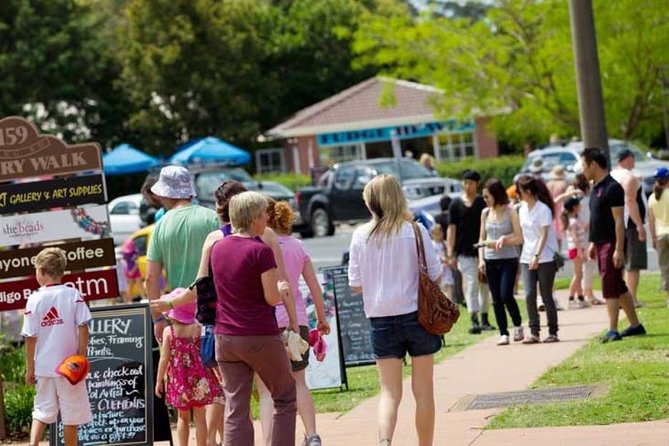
363 381
636 371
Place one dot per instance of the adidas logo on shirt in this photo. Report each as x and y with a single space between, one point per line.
52 318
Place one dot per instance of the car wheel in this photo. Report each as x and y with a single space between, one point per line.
321 224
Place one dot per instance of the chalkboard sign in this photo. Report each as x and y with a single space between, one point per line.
354 326
120 383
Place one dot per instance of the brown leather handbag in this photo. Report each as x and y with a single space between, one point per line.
436 312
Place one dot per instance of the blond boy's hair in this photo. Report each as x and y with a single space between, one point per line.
52 262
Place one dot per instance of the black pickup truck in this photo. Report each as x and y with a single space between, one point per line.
337 198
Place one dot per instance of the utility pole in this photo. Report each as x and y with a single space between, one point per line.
588 81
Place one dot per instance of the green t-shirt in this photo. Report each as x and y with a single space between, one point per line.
177 242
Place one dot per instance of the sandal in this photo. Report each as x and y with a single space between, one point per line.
596 301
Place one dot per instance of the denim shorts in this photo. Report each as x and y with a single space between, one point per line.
394 336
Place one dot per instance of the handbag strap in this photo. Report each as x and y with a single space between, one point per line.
420 249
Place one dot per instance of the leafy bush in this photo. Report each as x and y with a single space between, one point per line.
504 168
19 408
292 181
12 366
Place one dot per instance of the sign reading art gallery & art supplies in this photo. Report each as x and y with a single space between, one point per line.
61 192
120 383
80 256
24 153
92 285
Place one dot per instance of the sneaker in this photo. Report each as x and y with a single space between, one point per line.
597 301
503 340
532 339
476 329
582 304
550 339
572 304
611 336
633 331
639 304
558 307
487 327
312 440
518 334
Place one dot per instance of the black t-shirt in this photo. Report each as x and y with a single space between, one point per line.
468 223
442 220
605 195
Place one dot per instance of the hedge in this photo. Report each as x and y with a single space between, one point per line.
292 181
504 168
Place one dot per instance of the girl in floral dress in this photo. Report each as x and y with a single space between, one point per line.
190 385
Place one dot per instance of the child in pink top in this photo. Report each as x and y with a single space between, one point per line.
297 263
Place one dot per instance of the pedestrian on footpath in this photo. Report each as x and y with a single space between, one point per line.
607 243
464 228
658 219
577 240
297 262
537 262
384 267
498 257
634 217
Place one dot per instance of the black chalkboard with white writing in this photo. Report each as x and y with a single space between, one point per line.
354 327
120 383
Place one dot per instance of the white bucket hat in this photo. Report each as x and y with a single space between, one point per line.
174 182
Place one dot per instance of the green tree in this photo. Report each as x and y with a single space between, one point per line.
517 64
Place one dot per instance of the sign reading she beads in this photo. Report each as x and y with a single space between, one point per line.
93 285
86 223
25 153
80 255
61 192
120 383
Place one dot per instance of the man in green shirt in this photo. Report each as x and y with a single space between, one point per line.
176 243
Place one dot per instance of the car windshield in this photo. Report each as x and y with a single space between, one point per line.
410 169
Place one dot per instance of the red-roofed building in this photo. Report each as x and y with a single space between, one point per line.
362 122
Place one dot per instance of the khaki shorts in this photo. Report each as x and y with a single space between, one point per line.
56 395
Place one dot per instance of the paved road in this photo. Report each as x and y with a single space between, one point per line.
328 251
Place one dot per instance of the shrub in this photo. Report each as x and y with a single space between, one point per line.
504 168
12 366
19 408
292 181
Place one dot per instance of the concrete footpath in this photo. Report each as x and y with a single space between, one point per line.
485 368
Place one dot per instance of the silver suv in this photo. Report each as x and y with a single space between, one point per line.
569 155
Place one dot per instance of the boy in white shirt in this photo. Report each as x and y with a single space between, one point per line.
55 327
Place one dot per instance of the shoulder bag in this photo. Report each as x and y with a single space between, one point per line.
436 312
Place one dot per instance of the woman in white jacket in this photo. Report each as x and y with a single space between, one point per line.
384 267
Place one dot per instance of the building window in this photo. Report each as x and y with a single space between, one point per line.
457 146
270 161
339 154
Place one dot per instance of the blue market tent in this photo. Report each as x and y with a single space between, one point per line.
126 159
211 150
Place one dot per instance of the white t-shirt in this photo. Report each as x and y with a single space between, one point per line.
54 314
531 222
387 270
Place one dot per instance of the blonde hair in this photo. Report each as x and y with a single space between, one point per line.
52 262
436 233
426 158
385 200
245 208
281 216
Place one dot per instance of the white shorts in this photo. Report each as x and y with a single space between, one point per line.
57 394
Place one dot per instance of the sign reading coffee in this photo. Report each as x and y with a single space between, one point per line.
80 255
61 192
24 153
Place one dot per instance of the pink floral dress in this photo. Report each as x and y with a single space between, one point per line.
189 383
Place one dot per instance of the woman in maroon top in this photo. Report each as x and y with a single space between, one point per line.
247 336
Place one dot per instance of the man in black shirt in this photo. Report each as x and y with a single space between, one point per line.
463 233
607 242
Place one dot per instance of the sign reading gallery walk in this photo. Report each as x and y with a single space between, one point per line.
120 383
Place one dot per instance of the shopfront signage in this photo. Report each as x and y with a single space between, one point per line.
61 192
386 133
80 256
25 153
83 222
92 285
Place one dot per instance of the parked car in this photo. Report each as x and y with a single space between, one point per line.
569 155
337 198
124 216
